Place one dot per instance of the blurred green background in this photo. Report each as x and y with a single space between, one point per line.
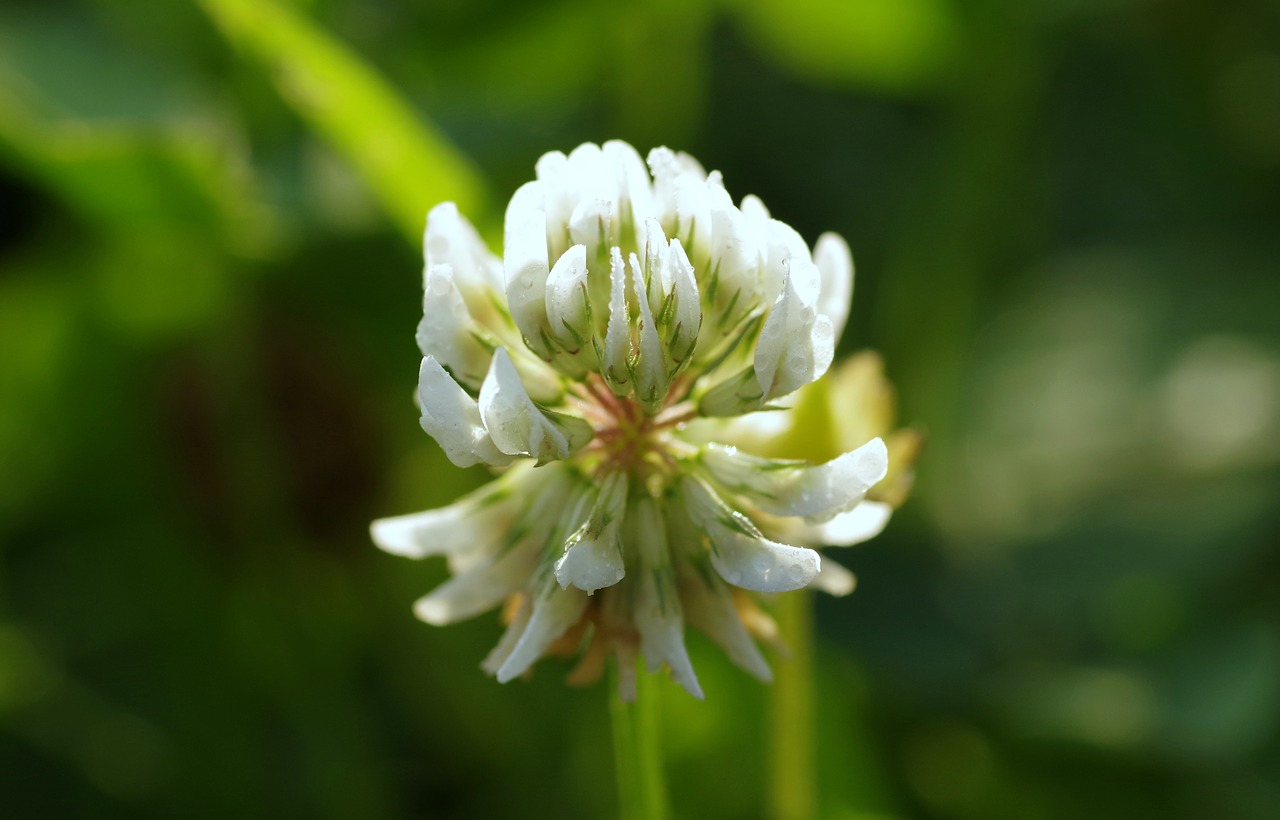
1066 218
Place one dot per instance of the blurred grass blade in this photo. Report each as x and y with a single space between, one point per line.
405 162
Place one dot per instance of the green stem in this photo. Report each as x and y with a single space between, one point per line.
793 791
637 750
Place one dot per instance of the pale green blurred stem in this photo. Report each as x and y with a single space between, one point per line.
792 786
637 750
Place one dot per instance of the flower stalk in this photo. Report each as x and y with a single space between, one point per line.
637 751
793 788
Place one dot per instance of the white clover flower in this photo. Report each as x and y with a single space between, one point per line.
633 312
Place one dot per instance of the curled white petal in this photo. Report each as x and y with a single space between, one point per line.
591 564
510 637
650 369
426 533
552 615
655 256
475 519
591 226
588 172
740 554
566 296
708 606
796 489
634 191
687 320
693 217
560 198
835 263
735 254
760 564
667 166
526 263
451 240
862 523
834 579
505 548
657 614
782 244
754 209
593 554
796 344
478 589
447 332
452 418
617 340
517 425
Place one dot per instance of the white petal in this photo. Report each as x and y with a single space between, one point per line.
451 240
693 218
657 612
822 341
593 554
560 198
474 519
834 579
795 488
740 554
478 589
634 192
835 263
567 300
526 264
590 225
502 560
553 613
862 523
656 264
452 418
688 305
591 563
735 255
666 163
664 168
782 244
763 565
510 637
552 167
517 425
708 606
425 533
588 173
447 332
796 344
617 340
650 367
754 209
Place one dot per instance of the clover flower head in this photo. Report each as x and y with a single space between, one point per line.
636 312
